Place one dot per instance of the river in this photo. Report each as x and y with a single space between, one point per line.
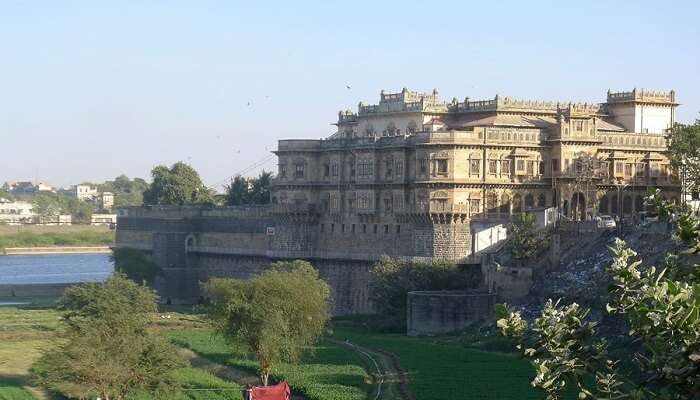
55 268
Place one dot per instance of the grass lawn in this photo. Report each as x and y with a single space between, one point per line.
23 334
26 330
329 373
444 369
73 238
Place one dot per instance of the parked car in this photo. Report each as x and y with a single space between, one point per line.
606 222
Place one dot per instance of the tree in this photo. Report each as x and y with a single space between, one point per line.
177 185
662 309
243 191
277 314
684 152
106 349
127 192
237 192
135 265
524 240
47 204
392 279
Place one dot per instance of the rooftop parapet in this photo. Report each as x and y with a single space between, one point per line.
404 101
501 103
644 96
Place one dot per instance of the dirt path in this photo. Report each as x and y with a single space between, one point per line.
390 381
222 371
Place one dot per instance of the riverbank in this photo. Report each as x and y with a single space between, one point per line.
25 251
58 238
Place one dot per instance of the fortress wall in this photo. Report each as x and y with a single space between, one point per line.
349 281
237 243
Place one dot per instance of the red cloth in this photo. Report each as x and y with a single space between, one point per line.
279 391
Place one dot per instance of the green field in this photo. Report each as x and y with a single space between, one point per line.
24 332
444 369
74 238
328 373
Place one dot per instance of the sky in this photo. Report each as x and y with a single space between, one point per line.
91 90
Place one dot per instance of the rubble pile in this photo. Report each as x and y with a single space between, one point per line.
582 275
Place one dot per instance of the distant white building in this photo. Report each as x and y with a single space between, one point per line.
27 187
83 192
16 212
103 219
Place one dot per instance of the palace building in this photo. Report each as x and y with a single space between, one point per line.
413 160
420 179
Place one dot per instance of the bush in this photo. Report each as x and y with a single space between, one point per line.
392 279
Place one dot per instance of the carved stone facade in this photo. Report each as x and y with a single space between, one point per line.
417 171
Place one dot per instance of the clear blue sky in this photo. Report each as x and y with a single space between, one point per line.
89 90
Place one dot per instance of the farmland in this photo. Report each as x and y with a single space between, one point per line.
329 372
444 369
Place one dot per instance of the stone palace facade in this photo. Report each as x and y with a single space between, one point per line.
413 158
420 179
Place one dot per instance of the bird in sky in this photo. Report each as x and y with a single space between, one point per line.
348 87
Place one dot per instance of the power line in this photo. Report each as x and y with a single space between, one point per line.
249 168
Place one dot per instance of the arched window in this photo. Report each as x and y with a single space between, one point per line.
627 205
541 200
639 203
517 203
529 201
491 202
505 204
603 204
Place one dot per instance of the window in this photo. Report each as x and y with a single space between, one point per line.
389 168
299 171
334 169
353 228
618 167
364 228
520 165
387 205
628 169
399 169
530 168
505 167
654 169
474 167
283 171
555 165
332 227
579 126
398 229
442 167
493 167
542 167
423 166
566 165
474 206
375 228
386 229
326 170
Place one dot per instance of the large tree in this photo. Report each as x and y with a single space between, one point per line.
178 185
684 152
277 314
127 192
242 191
662 311
106 349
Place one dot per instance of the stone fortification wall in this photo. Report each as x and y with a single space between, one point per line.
192 245
443 312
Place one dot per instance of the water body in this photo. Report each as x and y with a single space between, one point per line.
55 268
